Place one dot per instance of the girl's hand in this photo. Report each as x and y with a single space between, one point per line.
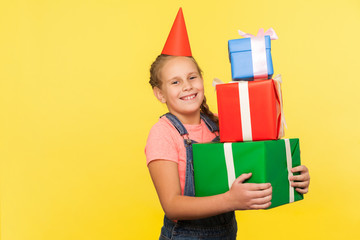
300 182
249 195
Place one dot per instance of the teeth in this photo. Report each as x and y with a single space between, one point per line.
189 97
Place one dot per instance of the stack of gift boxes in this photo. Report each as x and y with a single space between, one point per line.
251 123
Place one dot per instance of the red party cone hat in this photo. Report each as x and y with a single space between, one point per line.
177 43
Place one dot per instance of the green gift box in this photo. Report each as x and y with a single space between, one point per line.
217 165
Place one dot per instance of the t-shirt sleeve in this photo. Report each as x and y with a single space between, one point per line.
161 144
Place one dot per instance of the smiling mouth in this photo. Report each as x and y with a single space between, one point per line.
189 97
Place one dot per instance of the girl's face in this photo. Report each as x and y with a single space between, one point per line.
182 87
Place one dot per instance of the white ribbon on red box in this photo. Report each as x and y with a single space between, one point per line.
278 81
245 110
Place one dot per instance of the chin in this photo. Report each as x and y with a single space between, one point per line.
190 111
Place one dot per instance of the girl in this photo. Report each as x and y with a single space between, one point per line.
177 81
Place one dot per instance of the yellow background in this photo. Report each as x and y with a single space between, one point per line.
76 108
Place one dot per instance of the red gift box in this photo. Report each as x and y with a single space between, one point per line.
250 111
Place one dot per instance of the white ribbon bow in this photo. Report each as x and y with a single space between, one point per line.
270 32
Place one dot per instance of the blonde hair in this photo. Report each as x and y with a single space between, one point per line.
155 81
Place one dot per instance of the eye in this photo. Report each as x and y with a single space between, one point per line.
174 82
193 77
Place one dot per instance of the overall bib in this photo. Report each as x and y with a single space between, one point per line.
220 227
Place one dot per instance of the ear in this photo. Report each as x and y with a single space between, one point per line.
159 95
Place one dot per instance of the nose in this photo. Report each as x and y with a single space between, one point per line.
187 85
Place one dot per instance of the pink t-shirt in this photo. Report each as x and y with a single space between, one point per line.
164 142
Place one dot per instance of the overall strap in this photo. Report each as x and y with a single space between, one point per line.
182 130
177 124
209 123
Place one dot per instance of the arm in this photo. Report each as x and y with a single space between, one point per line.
165 177
300 182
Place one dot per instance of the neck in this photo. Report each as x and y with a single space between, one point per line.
191 119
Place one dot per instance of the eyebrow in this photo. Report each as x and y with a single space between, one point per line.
193 73
174 78
177 77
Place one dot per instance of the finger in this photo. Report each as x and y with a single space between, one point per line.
243 177
260 206
300 168
263 200
257 186
302 190
301 178
300 184
261 193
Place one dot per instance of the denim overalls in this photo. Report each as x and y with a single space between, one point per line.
218 227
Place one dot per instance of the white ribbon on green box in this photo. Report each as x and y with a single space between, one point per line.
289 166
229 163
